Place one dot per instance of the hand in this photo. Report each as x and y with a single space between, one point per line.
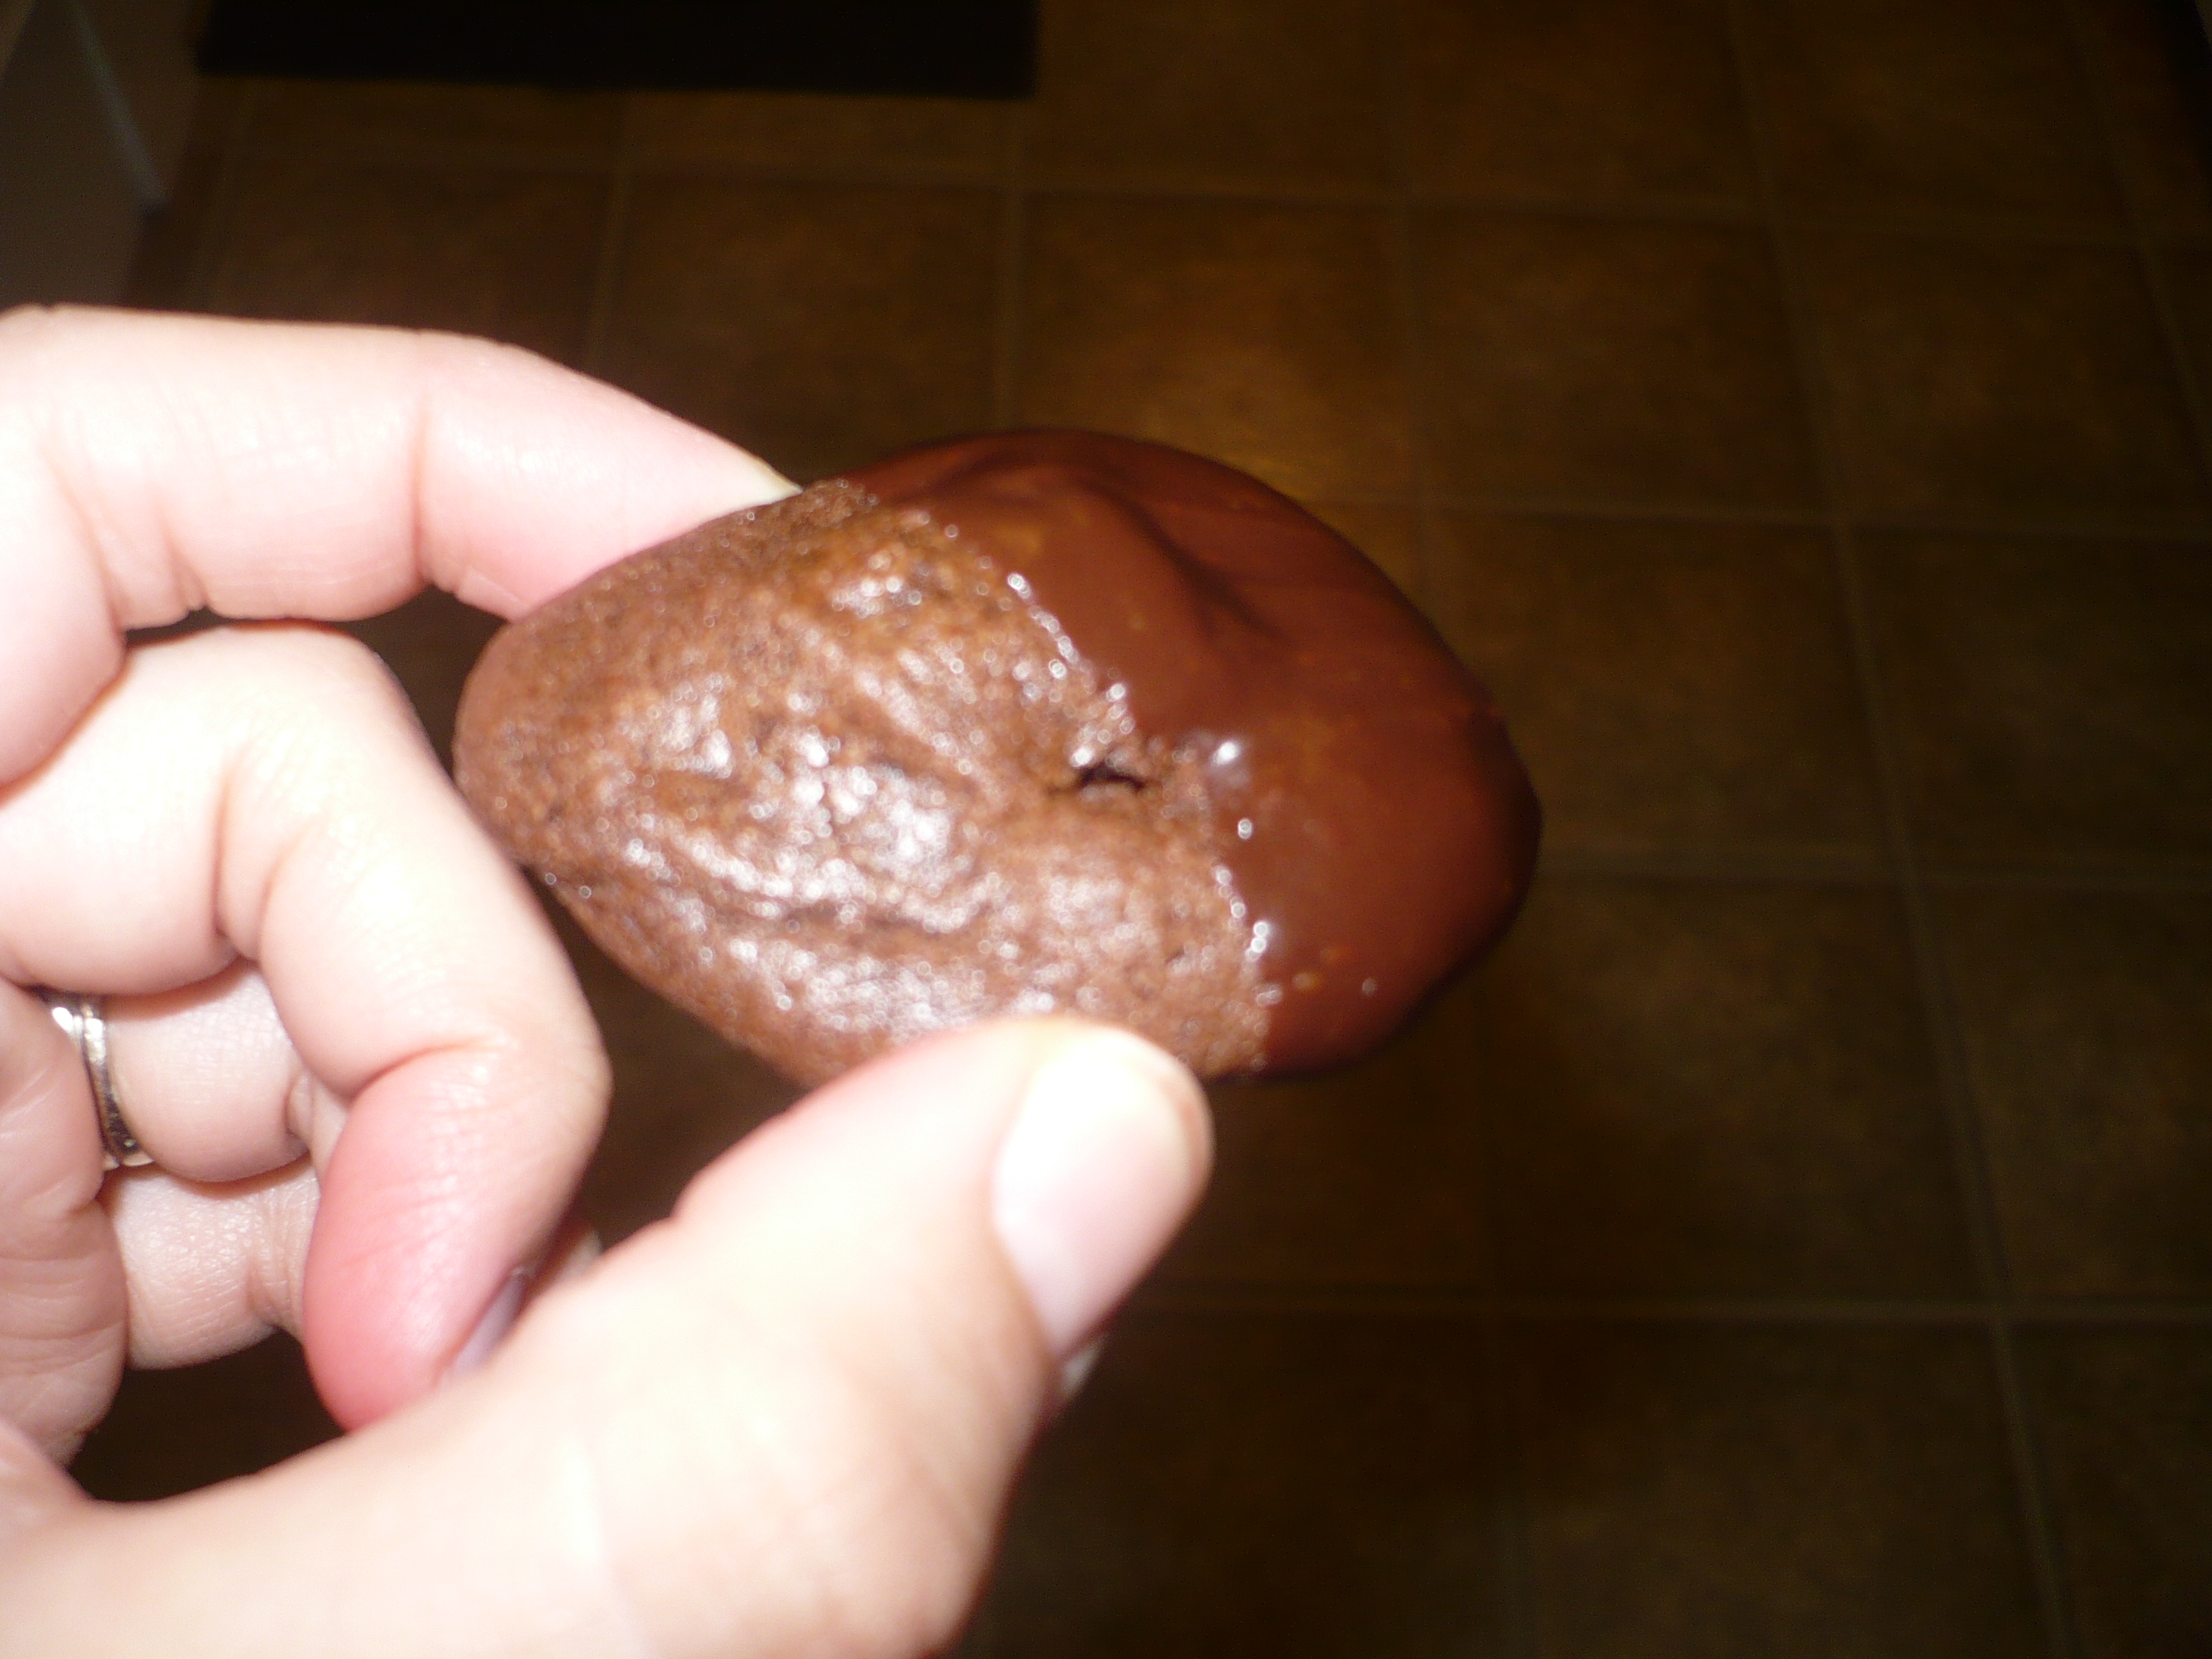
783 1420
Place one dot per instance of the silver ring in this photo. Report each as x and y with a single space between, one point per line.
85 1019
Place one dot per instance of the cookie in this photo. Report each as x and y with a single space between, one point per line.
1030 723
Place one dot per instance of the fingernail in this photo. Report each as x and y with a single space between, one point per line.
1106 1155
498 1320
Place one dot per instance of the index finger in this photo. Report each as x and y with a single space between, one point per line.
150 466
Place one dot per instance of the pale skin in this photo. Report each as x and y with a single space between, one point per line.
783 1422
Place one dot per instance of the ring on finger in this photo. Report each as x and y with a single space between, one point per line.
84 1018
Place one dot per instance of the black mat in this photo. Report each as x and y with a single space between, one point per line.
2187 26
953 48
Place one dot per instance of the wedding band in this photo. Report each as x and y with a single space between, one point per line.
85 1019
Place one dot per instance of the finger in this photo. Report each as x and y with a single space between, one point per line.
215 1267
153 466
783 1422
264 792
212 1087
211 1267
61 1289
214 1236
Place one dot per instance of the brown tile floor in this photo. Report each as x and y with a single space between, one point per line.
1797 1239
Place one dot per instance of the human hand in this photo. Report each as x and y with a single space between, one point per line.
785 1419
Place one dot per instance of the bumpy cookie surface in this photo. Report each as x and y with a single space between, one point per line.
1035 722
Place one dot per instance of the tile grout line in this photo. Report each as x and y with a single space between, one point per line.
614 229
1199 1298
2197 396
2093 66
1702 513
1938 1003
1745 867
1405 260
212 248
1946 1041
453 155
1518 1625
1750 866
2093 530
1784 518
449 156
2177 881
1571 507
1013 269
457 154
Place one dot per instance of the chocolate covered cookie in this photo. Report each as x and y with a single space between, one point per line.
1033 722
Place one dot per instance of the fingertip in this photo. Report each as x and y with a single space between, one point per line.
491 1328
424 1230
1104 1157
537 476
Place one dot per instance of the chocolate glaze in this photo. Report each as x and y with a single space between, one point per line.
1373 816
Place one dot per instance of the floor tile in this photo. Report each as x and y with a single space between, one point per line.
2083 1016
1597 100
1921 107
167 264
169 260
2049 697
1370 1175
818 326
1613 361
1261 1484
2125 1421
2157 87
174 1431
1672 687
1210 93
927 138
2187 272
508 254
1715 1091
1660 1091
1719 1493
217 100
357 117
1265 335
2002 379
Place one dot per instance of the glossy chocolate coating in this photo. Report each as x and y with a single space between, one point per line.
1378 825
1033 722
819 773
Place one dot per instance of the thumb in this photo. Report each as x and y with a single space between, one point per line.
783 1422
